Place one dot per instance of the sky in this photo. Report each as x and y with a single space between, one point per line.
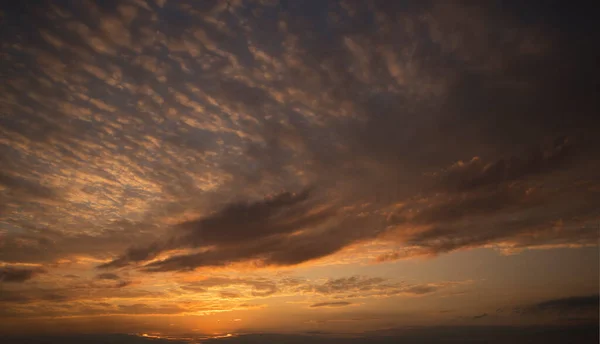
285 167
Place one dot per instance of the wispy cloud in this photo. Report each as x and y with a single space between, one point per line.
575 306
15 274
331 304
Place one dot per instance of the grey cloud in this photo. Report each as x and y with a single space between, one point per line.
330 304
123 284
120 283
38 245
519 211
29 190
76 292
422 289
279 250
108 276
354 283
263 291
241 222
134 254
475 173
235 92
455 208
140 308
569 306
262 230
229 294
31 296
360 286
15 274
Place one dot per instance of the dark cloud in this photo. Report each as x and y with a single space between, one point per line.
422 289
123 284
108 276
331 304
455 208
32 296
120 283
140 308
571 303
135 254
83 292
13 274
565 307
229 295
240 222
277 231
475 173
486 207
480 316
32 244
361 286
344 284
26 189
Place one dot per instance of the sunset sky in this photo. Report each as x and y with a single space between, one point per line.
215 167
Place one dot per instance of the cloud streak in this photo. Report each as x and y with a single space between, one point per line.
575 306
11 274
330 304
275 231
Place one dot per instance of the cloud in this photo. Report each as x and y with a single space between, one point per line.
480 316
501 205
260 287
108 276
229 295
236 223
353 287
75 292
569 306
150 137
331 304
422 289
346 284
465 176
134 254
317 110
34 244
13 274
277 231
27 190
362 286
123 284
27 297
140 308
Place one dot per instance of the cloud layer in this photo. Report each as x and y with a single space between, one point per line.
144 137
